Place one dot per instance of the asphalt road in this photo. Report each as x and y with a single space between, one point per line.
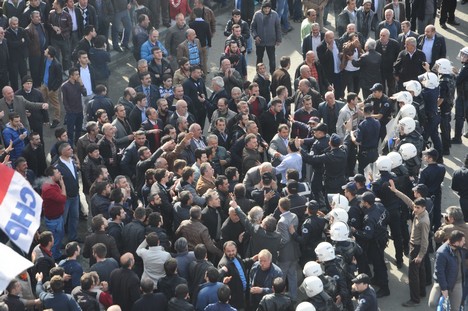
123 66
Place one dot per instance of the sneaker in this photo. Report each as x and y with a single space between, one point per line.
54 124
410 303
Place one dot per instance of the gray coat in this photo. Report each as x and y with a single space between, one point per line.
267 27
277 145
20 105
289 249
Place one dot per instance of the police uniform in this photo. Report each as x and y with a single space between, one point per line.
367 300
418 103
374 230
431 130
392 204
433 176
447 93
311 236
381 106
460 185
404 185
368 137
414 164
461 103
331 269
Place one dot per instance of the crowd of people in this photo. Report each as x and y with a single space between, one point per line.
218 201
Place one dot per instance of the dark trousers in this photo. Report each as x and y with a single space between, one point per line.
461 114
352 154
17 67
351 81
35 68
388 82
338 85
271 56
3 80
74 39
298 14
74 122
159 7
436 211
365 92
416 275
63 47
431 130
395 228
464 207
445 129
376 258
200 114
447 11
366 157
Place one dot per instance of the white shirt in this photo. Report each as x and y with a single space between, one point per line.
349 64
86 78
315 43
153 261
336 58
72 13
69 165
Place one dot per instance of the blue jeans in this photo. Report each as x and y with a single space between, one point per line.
71 214
56 227
282 8
74 123
124 18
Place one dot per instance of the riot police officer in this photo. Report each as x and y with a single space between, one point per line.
447 92
334 160
382 108
367 137
392 204
317 145
344 246
367 300
414 87
311 232
374 230
461 103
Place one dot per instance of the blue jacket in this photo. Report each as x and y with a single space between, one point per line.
445 268
145 50
208 294
9 134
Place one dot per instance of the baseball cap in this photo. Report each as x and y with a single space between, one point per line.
335 140
351 186
376 87
368 197
314 119
361 278
313 205
322 127
432 153
422 189
358 178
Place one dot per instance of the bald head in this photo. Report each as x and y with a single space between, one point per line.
127 260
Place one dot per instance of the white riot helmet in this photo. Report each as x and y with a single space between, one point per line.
325 252
339 201
339 231
384 163
429 80
305 306
405 97
408 110
396 159
313 286
312 268
407 124
339 214
408 151
463 55
413 86
443 66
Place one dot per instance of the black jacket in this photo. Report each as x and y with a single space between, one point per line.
439 49
55 75
124 286
167 285
100 102
176 304
407 68
148 302
326 58
307 44
158 72
91 16
36 159
388 57
17 44
71 183
370 64
276 302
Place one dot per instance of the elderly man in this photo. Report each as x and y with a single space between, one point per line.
409 64
261 277
329 54
369 64
223 111
432 44
329 110
16 103
219 92
206 180
253 177
366 19
222 158
194 87
312 40
181 110
231 77
389 49
389 23
190 48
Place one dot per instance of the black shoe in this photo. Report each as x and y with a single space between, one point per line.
465 135
443 26
446 152
54 124
456 141
399 264
463 2
373 281
454 23
118 49
383 292
410 303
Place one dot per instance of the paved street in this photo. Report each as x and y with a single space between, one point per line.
456 39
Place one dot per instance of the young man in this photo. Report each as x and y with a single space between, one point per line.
72 91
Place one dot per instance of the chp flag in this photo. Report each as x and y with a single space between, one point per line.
20 208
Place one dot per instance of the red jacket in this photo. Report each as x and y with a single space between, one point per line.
53 200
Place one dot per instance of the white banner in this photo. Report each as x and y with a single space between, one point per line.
20 208
11 264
